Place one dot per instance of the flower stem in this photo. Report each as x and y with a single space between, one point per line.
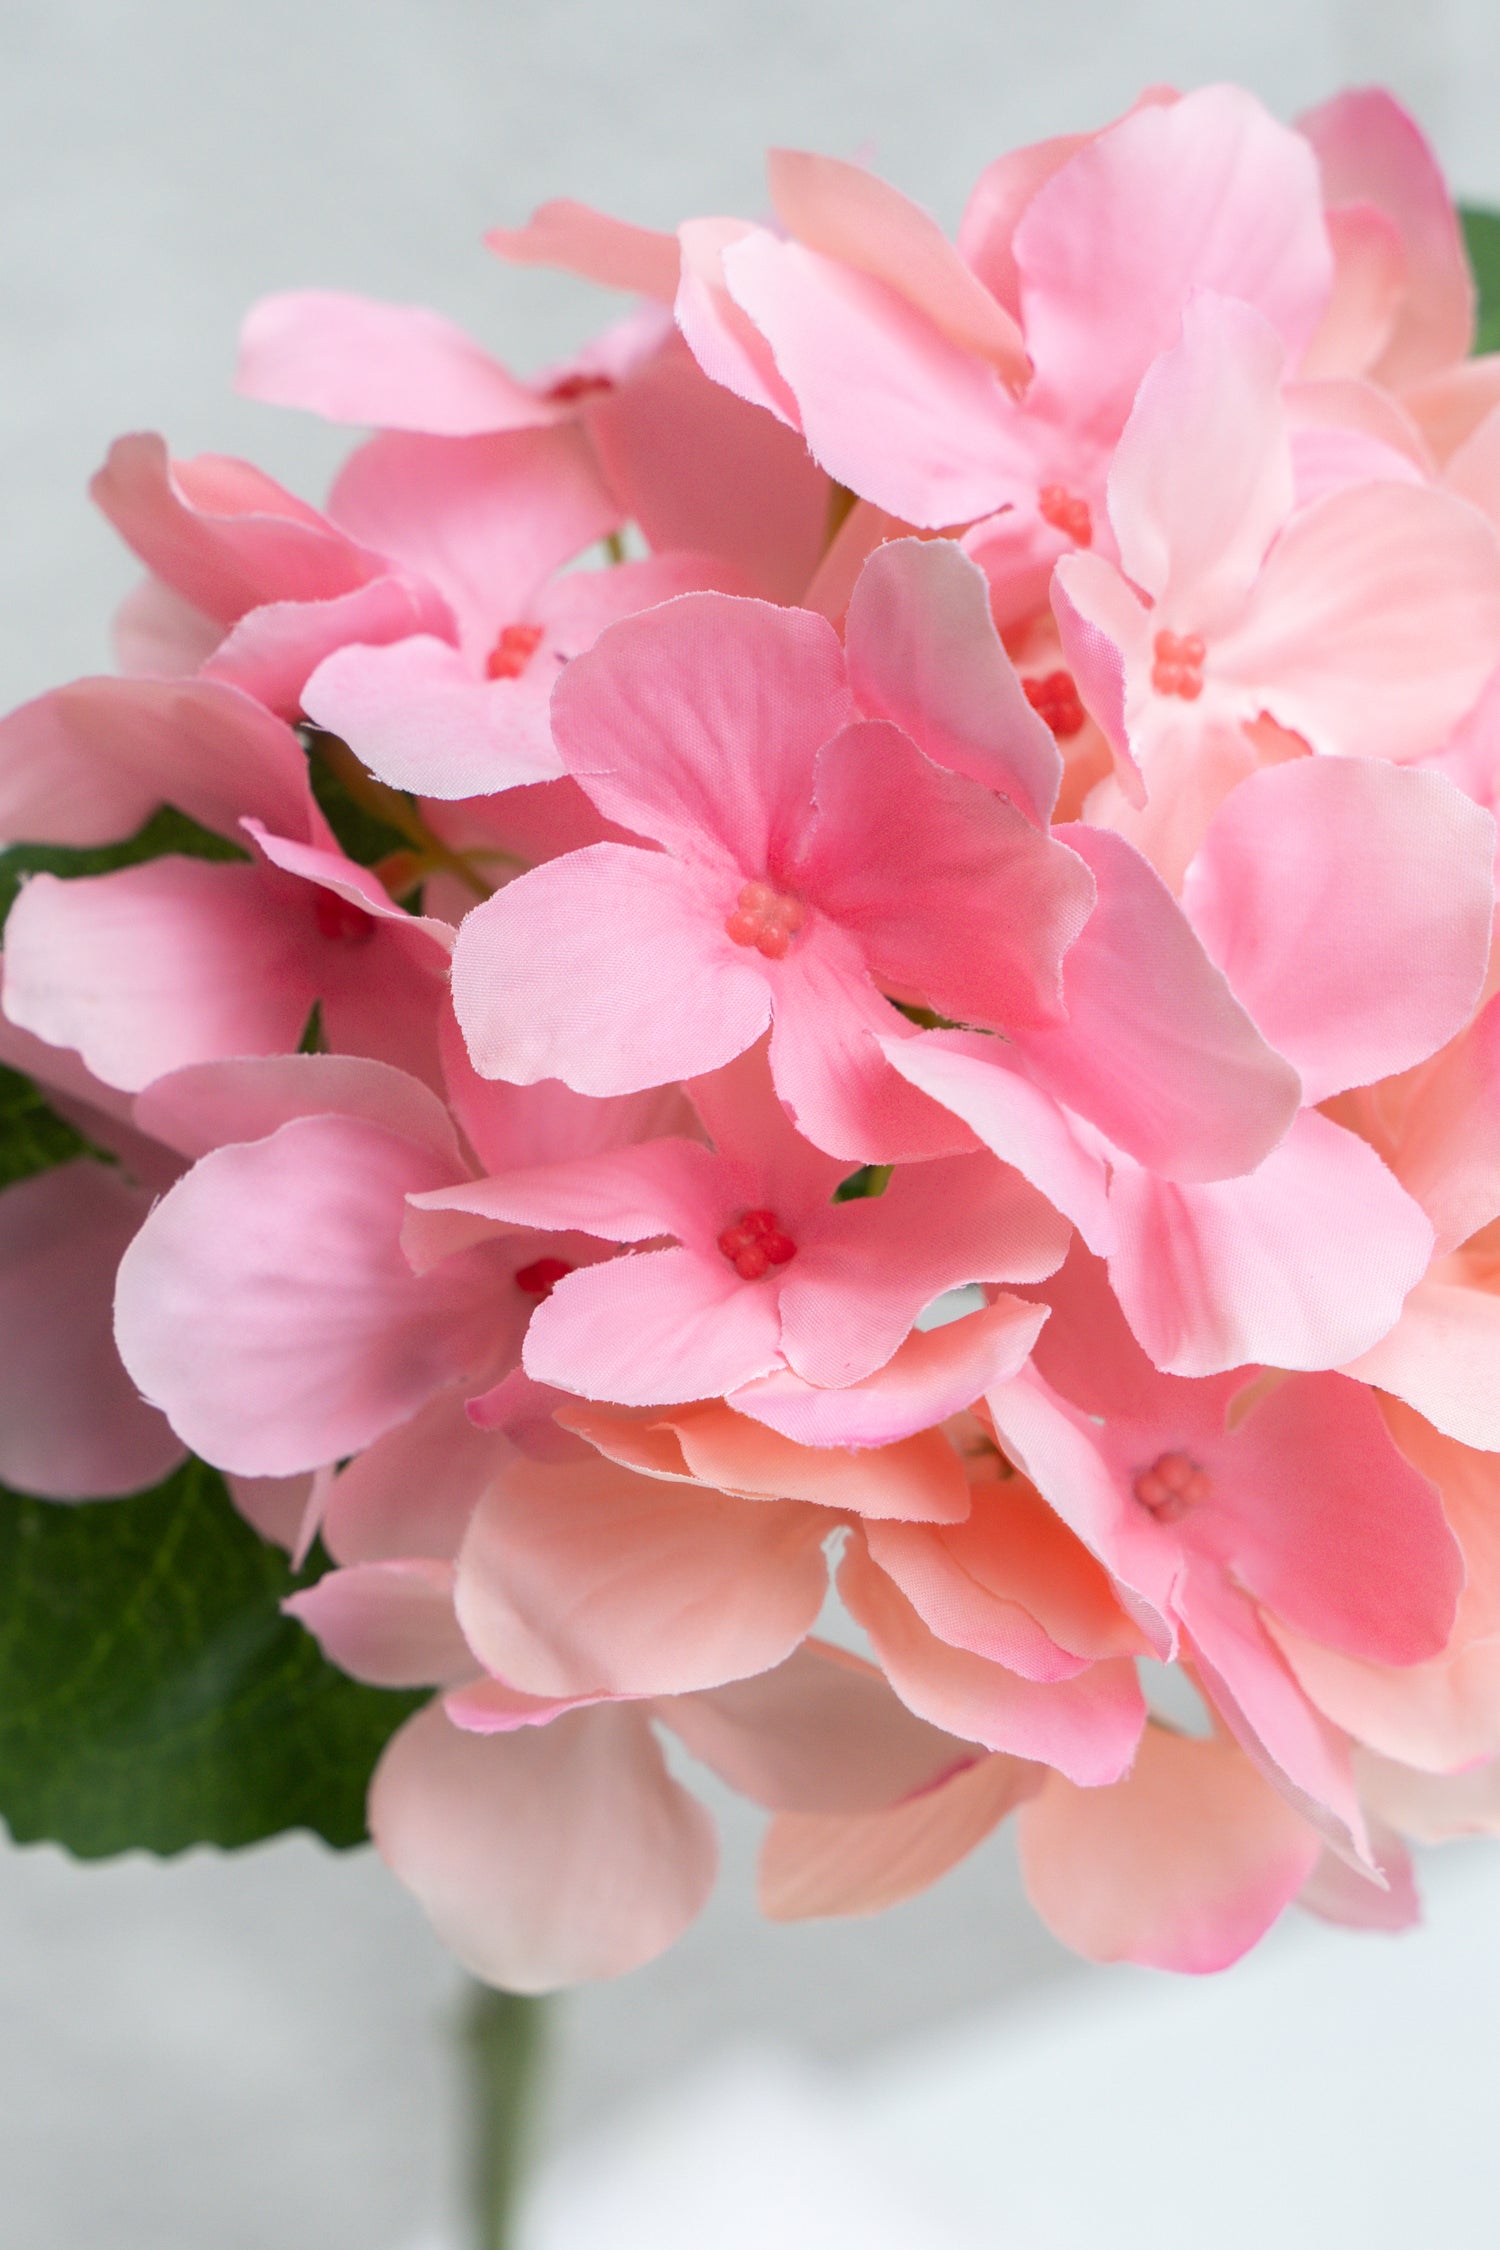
503 2033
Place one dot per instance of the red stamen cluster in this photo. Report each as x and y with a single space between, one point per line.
766 919
514 648
542 1276
1178 669
569 389
1173 1484
341 920
1066 513
755 1243
1055 700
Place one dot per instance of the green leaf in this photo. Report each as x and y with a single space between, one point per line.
1482 237
152 1696
32 1136
364 835
166 831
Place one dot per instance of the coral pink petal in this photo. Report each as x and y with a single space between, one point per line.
72 1425
849 214
390 367
609 969
1087 1727
389 1623
1304 1262
655 1330
1440 1358
890 405
589 243
1374 624
659 722
176 961
815 1864
1182 1865
1156 1051
923 652
267 1307
1209 193
547 1856
582 1578
821 1733
931 1375
1397 863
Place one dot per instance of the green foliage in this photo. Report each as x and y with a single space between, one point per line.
152 1695
166 831
1482 236
359 827
32 1136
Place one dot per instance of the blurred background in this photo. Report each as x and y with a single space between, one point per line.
251 2051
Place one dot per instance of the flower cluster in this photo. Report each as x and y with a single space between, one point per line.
848 938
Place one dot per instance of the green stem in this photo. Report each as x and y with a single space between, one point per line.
504 2034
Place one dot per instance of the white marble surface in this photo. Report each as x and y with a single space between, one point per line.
252 2052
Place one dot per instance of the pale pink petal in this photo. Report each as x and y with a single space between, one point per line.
491 1707
721 336
1374 623
1156 1051
819 1864
609 969
923 652
931 1375
1087 1727
207 1104
593 245
483 519
1337 1892
1202 479
653 1331
971 1075
176 961
1432 1808
1397 863
624 1195
1369 277
72 1426
820 1733
889 404
996 201
155 634
420 717
1304 1262
412 1492
267 1306
276 1507
547 1856
1370 149
511 1128
392 367
1102 624
1183 1865
388 1623
1440 1715
273 652
581 1579
1440 1356
1447 1152
849 214
1209 193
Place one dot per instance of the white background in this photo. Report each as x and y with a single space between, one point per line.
235 2054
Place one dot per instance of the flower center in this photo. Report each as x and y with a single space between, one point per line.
542 1276
1172 1485
1066 513
569 389
341 920
515 646
755 1242
765 918
1055 700
1178 669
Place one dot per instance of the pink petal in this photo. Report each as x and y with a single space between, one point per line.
848 214
930 1376
1156 1050
1432 1808
1440 1357
266 1303
1337 1892
389 1623
1184 1865
155 634
1447 1153
923 652
589 243
653 1331
176 961
483 519
1102 624
1087 1728
273 652
222 534
392 367
624 1195
1369 275
582 1579
820 1733
1398 863
72 1426
421 719
412 1492
207 1104
511 1128
1304 1262
819 1864
547 1856
1209 193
